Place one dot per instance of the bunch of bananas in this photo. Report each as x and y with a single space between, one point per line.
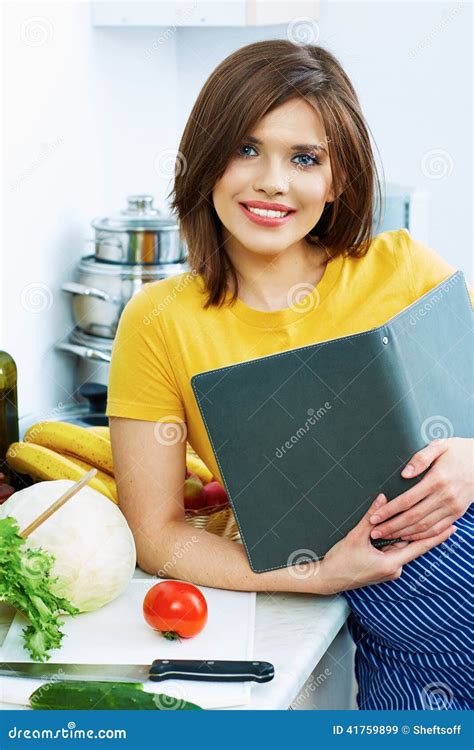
61 450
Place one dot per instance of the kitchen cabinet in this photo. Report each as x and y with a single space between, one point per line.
203 12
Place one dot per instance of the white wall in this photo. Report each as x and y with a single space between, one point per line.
410 65
88 111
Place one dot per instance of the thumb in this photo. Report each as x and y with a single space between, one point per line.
423 459
364 526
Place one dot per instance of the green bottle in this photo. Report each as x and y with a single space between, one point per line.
9 432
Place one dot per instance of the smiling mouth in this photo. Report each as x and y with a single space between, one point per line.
268 213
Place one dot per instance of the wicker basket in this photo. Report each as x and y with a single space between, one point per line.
218 520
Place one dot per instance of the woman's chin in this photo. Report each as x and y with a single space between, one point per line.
272 244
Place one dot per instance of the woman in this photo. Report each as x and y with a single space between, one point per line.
275 197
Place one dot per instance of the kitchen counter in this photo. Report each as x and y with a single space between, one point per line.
305 637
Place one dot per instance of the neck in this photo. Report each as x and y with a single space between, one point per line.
265 281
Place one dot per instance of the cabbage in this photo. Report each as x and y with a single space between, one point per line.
93 546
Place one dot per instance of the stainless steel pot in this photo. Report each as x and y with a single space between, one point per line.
103 289
86 410
93 357
138 234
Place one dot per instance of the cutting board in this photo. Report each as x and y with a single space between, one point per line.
118 634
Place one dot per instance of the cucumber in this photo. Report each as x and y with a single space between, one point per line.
106 696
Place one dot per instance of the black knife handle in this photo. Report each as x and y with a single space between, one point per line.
220 670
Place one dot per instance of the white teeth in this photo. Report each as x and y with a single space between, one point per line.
271 214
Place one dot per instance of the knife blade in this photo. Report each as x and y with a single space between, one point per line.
161 669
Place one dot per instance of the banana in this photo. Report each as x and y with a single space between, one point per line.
43 463
101 476
65 437
196 466
190 450
100 430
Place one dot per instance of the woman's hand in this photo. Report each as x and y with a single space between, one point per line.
439 499
354 561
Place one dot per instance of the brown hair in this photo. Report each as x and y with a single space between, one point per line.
250 82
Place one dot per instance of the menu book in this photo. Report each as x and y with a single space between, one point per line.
305 439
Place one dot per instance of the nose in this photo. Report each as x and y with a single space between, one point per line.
271 178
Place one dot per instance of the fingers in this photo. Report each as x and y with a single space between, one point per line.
433 523
364 526
393 547
417 516
424 458
415 549
437 528
405 501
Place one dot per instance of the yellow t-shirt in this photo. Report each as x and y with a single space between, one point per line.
165 336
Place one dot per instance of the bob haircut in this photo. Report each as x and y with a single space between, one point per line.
250 82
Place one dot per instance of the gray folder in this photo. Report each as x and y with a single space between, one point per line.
306 438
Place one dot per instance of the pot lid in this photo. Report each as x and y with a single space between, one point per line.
152 271
138 216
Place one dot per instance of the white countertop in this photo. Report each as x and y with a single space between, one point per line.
292 631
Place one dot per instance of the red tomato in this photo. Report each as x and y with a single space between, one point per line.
176 609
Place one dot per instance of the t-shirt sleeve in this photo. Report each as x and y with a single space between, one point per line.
142 384
426 268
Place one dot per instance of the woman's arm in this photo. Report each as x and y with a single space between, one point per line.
150 481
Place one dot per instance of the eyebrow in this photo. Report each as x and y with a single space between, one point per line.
296 147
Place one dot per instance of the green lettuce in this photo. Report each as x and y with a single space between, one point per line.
25 583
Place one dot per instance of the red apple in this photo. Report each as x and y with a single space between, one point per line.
215 494
194 498
6 491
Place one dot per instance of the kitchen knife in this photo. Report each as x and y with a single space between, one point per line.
160 669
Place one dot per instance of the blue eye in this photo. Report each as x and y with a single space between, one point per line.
244 145
314 159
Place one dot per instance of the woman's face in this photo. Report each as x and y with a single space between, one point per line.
273 171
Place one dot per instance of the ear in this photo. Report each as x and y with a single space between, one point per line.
330 196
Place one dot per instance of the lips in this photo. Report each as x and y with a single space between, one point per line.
267 206
266 221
